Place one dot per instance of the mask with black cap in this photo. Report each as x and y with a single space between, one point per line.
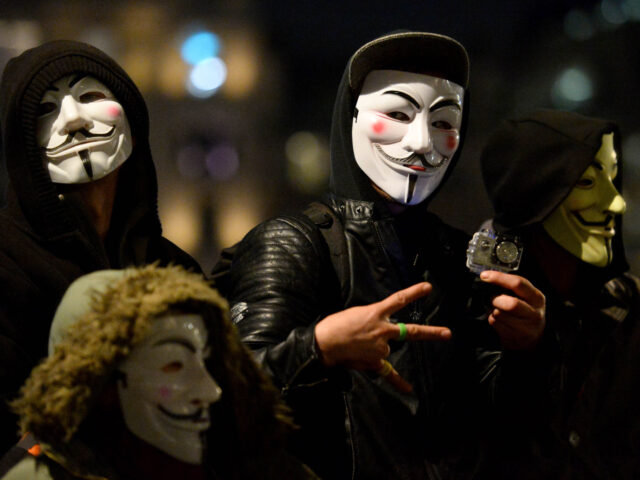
406 93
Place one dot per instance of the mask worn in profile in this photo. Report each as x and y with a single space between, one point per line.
406 129
166 390
584 223
82 129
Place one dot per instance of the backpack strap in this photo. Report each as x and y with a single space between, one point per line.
327 223
330 226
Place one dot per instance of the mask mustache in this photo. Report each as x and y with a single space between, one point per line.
85 133
430 160
602 223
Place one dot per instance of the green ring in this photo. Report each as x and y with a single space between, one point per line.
403 332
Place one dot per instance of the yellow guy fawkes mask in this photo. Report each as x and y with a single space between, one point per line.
584 223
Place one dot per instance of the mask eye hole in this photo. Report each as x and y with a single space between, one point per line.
442 125
89 97
46 108
172 367
585 182
401 116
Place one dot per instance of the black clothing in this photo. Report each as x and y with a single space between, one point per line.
282 282
46 239
531 164
587 425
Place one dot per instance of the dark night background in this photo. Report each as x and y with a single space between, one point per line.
259 145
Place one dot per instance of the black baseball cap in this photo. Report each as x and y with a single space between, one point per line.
419 52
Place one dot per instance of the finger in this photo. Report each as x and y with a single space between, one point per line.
504 322
420 332
514 306
394 378
396 301
522 287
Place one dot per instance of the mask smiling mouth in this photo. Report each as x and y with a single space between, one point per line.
88 138
199 416
416 161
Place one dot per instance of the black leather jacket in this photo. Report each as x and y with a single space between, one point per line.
353 424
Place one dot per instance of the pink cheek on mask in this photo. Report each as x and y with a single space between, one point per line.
452 142
114 111
164 392
378 127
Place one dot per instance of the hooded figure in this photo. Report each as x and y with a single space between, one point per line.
295 280
146 378
555 179
82 192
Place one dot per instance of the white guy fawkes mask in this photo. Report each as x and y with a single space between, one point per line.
584 223
405 130
82 129
166 390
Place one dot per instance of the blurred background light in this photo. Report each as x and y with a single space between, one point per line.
307 162
207 77
140 63
181 221
632 9
19 35
200 46
190 161
612 12
171 73
572 88
237 215
578 25
222 162
243 65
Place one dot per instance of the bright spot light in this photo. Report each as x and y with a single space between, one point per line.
308 161
207 77
199 47
578 25
572 88
612 12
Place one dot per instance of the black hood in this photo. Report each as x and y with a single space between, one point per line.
416 52
531 164
24 81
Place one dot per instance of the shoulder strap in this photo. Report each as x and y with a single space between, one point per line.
220 275
327 223
330 227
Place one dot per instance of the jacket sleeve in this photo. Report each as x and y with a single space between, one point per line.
278 291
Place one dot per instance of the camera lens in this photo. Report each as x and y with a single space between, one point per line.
507 252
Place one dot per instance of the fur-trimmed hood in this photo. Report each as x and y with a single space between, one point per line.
101 318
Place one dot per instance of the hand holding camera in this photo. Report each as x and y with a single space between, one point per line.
516 308
490 250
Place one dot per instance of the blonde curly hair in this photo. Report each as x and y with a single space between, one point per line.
60 392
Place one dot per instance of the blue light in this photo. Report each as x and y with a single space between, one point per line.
207 77
572 88
199 46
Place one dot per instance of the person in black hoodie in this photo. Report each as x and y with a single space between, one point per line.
82 193
555 178
328 298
